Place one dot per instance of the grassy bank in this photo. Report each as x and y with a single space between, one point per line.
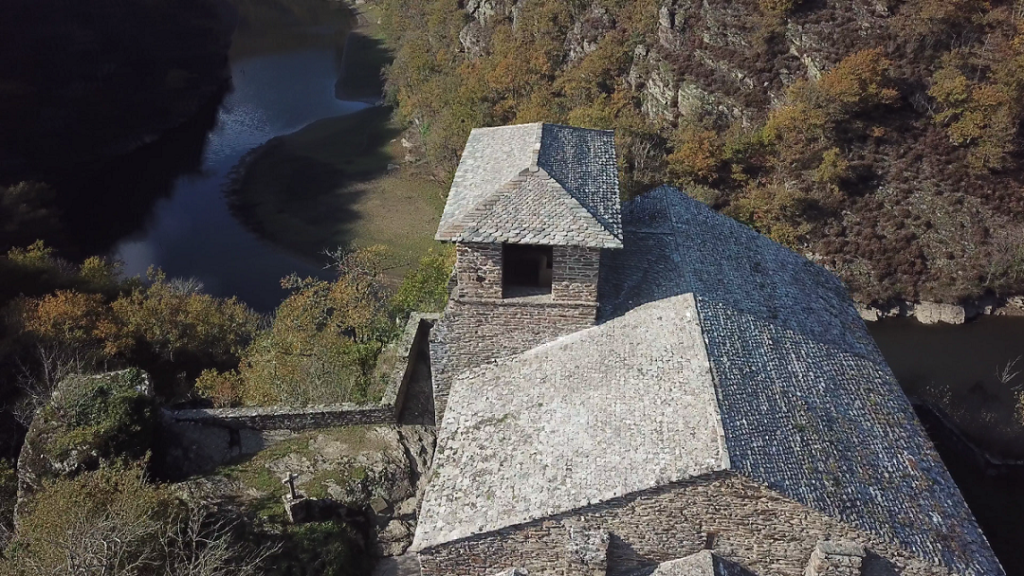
365 55
328 185
343 181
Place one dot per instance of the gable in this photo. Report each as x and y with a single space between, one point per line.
532 208
583 419
535 184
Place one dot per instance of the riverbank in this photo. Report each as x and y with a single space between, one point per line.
345 181
338 182
941 313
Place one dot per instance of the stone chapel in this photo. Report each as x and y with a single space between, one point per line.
651 388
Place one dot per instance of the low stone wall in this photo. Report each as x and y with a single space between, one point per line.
198 440
294 418
743 521
412 342
286 417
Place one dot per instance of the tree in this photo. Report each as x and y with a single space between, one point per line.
27 214
425 289
111 522
773 209
169 330
58 335
323 344
979 99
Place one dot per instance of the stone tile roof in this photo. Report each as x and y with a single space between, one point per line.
532 436
703 563
808 405
535 184
719 349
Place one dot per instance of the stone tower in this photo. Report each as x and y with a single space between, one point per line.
530 210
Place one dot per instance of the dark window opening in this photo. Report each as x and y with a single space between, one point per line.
526 270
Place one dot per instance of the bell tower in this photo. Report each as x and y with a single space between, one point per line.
530 210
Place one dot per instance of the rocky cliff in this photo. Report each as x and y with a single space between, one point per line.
880 137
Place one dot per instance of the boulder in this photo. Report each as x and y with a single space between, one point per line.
89 420
934 313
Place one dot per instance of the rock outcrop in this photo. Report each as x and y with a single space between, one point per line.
89 420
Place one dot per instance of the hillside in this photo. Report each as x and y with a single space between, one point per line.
881 138
81 82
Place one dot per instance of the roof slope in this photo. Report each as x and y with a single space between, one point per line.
535 184
532 436
808 405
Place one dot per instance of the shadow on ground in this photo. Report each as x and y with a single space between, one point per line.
361 62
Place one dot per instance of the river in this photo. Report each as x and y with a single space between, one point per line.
171 213
968 372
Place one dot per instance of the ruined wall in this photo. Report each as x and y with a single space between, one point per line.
478 270
286 417
474 332
743 521
574 273
196 441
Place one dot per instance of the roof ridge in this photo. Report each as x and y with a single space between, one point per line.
538 142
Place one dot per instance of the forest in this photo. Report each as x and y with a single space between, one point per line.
881 139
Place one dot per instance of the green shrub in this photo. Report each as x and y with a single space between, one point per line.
425 289
321 549
105 414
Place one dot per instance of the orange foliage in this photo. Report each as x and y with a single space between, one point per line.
66 317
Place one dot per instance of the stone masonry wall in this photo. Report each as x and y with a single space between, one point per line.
287 417
743 521
474 332
574 273
478 270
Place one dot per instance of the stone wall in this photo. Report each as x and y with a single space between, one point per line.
408 349
195 441
473 332
287 417
478 270
574 273
742 521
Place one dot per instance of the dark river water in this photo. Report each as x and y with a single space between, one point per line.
192 233
961 370
188 230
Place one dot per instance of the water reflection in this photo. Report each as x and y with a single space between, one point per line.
957 370
192 232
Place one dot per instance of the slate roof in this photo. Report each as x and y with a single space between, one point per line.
809 406
533 435
703 563
535 184
799 398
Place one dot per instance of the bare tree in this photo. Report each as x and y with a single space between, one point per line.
39 377
200 545
113 523
1006 374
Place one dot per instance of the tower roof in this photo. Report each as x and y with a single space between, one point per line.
535 184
